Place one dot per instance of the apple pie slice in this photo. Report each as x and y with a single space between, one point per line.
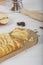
25 35
8 45
20 33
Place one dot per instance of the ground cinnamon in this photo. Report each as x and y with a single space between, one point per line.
2 0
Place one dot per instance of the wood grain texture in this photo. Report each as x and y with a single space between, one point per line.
33 14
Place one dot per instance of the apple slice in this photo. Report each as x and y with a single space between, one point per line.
3 18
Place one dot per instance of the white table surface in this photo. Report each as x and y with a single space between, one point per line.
32 56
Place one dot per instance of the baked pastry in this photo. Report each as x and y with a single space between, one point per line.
20 33
8 45
3 18
25 35
18 42
15 40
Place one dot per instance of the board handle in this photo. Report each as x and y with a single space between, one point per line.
33 14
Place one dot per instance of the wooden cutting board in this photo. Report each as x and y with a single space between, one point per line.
26 46
33 14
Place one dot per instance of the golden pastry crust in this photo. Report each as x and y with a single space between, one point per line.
16 40
24 34
7 44
20 33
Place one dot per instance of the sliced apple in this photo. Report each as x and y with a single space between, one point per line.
3 18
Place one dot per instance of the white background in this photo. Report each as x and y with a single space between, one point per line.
34 55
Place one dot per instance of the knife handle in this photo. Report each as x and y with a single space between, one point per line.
33 14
